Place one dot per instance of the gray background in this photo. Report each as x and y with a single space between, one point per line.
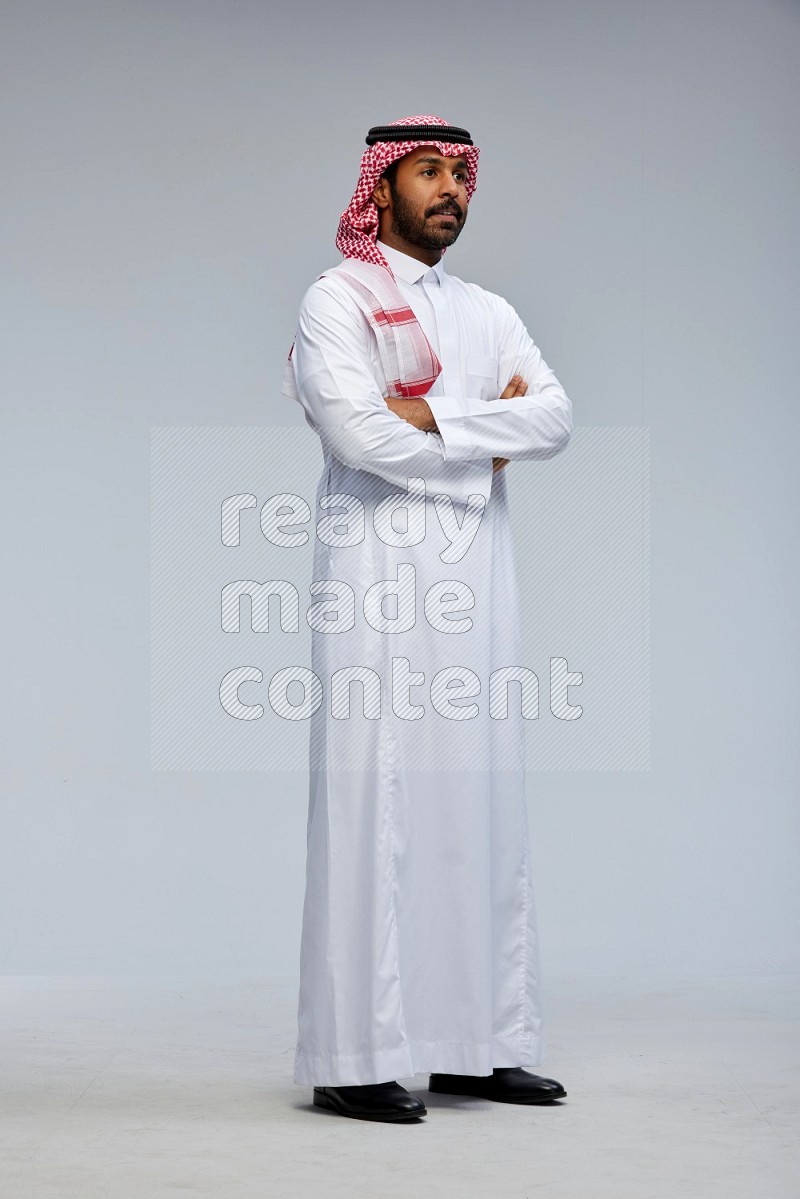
173 176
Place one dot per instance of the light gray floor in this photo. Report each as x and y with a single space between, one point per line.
148 1087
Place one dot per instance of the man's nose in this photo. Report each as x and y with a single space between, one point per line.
450 186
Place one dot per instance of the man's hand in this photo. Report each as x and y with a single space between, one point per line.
416 412
516 387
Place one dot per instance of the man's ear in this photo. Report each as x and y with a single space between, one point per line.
381 193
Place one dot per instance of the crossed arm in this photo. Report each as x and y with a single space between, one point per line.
454 443
418 412
534 422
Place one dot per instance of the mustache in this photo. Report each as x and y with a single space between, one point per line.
454 209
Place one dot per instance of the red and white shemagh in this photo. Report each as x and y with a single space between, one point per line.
409 361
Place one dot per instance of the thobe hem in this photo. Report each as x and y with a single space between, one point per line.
418 1057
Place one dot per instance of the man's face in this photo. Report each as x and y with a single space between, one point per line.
428 201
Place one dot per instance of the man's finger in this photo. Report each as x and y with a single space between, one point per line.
515 387
510 390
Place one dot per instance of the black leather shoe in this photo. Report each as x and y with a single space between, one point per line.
372 1101
505 1084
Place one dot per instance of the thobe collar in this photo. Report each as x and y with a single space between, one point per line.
411 269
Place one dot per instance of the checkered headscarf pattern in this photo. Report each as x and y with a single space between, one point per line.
358 224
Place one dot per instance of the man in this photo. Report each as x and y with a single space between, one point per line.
419 949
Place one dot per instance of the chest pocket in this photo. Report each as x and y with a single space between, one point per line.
481 371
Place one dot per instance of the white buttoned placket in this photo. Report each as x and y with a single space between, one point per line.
432 287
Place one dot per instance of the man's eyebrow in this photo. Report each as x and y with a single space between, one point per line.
460 162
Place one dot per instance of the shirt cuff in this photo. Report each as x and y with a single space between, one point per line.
462 478
449 418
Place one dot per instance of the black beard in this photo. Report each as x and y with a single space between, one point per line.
417 230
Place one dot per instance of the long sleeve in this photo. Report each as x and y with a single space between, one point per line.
537 425
338 390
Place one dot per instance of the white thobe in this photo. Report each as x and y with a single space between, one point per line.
419 948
